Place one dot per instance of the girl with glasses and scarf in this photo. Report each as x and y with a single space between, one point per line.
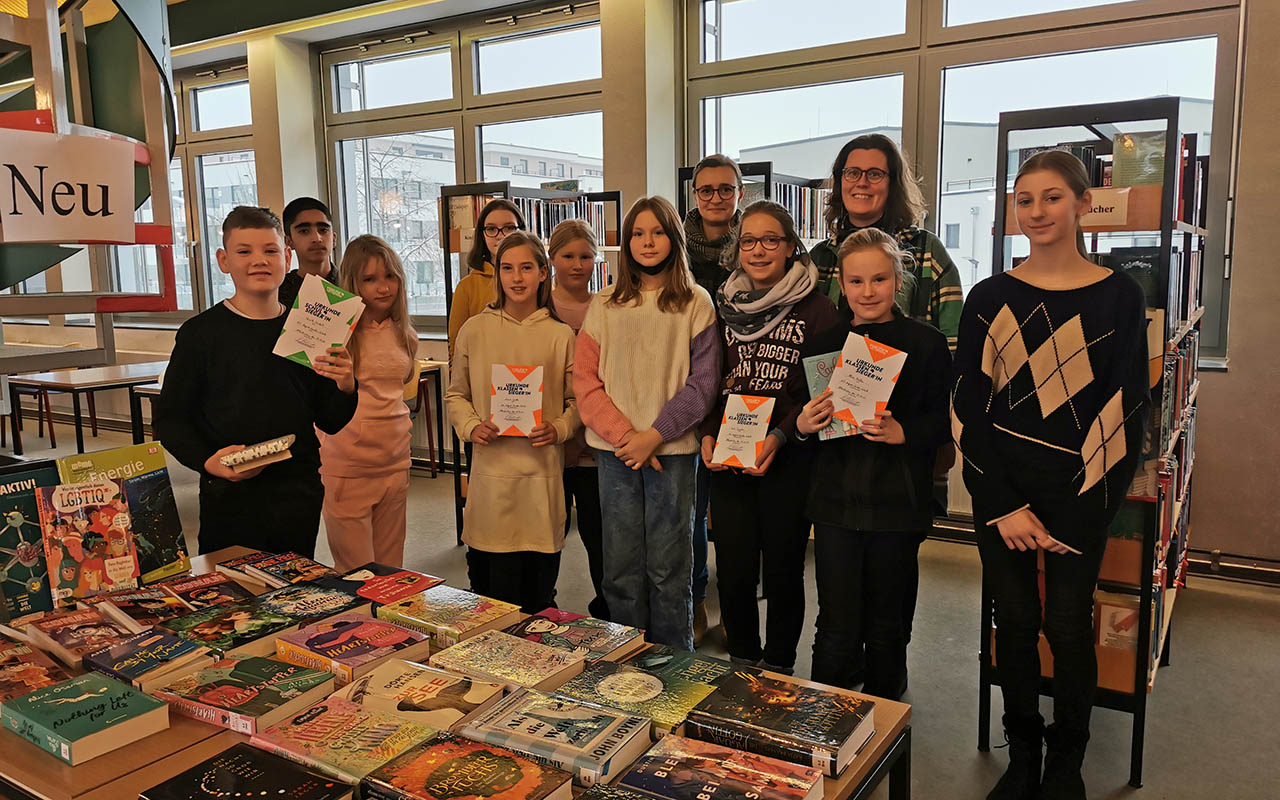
769 312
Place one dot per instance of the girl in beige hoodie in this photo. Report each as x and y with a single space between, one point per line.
513 524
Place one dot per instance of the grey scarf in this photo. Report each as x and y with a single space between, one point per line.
751 313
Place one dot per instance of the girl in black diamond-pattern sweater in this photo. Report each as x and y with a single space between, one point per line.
1049 410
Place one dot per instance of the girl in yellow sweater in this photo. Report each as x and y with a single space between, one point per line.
498 220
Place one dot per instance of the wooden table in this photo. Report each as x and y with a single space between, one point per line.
79 381
150 391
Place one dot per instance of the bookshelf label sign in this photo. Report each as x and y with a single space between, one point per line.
1108 207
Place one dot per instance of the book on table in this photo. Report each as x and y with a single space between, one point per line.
245 628
24 580
149 659
449 615
593 638
676 768
245 771
245 694
88 539
793 721
306 603
667 662
70 635
138 609
667 700
451 767
379 583
341 739
510 660
593 744
205 591
23 669
148 493
285 569
237 566
350 645
422 694
84 717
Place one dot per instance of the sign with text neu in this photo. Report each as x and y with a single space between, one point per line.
63 189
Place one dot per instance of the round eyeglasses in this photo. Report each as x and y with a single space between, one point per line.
768 242
854 174
724 190
493 231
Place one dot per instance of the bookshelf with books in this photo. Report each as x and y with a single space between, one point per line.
1147 219
543 209
804 198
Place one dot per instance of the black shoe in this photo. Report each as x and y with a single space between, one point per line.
1064 755
1021 781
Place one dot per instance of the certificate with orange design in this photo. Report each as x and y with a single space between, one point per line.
742 430
515 398
864 378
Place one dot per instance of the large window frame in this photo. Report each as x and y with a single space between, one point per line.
464 113
929 47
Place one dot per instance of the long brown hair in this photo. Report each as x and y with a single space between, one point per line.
677 288
358 253
523 239
1072 172
780 213
905 204
479 249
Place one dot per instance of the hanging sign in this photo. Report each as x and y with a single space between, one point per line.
69 188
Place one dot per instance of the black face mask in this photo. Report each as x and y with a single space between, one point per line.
656 269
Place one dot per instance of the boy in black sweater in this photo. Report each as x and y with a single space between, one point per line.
308 232
224 390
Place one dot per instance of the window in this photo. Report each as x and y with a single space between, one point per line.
784 125
574 138
420 77
504 160
971 112
952 237
137 268
742 28
225 105
544 58
226 180
374 175
963 12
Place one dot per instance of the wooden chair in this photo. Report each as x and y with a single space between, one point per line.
417 398
44 413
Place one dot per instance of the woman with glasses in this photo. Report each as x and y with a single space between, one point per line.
498 220
872 186
710 229
768 313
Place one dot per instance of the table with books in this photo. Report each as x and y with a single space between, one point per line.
389 683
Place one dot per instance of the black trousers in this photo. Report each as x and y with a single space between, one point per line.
526 578
582 489
278 511
761 519
1011 577
863 578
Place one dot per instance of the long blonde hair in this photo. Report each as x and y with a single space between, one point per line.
677 287
358 253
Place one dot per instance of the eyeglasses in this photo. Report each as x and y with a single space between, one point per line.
707 192
493 231
854 174
769 242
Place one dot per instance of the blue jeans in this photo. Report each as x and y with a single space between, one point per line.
648 550
702 500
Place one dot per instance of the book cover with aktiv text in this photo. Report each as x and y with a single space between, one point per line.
24 572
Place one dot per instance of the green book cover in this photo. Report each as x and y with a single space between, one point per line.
153 512
24 572
224 628
306 602
56 717
665 700
1138 159
667 662
817 372
233 691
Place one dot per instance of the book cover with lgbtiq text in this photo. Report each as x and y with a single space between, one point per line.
24 571
341 739
677 768
455 768
88 540
566 630
348 645
379 583
23 669
245 771
148 493
239 693
422 694
665 700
